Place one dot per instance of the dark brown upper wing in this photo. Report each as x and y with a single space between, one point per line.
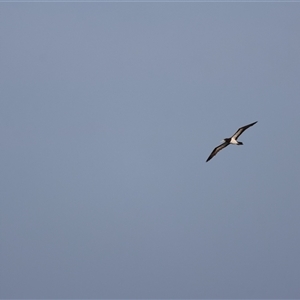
216 150
241 130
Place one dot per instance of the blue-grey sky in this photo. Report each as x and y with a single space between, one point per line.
108 113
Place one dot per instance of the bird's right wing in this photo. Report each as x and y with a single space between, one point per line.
217 149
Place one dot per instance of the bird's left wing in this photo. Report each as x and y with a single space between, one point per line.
242 129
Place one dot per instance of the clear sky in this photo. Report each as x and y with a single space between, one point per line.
108 113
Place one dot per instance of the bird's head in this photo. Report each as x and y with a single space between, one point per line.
227 140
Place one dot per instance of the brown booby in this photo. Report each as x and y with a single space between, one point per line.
232 140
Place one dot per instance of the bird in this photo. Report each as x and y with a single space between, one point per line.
232 140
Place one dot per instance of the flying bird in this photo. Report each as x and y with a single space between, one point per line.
232 140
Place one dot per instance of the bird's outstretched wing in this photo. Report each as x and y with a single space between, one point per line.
217 149
242 129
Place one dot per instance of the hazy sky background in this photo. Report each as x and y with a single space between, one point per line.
108 113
